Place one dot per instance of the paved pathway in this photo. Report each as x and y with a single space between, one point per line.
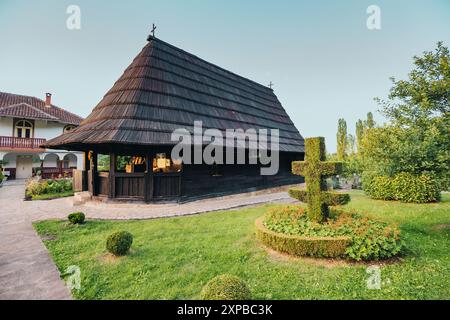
60 208
26 270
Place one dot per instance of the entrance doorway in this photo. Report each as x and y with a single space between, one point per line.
24 167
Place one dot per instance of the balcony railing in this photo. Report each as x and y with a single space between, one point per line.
21 143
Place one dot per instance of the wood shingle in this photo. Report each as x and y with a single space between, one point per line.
166 88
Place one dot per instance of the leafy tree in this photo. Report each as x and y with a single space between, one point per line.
103 162
350 149
359 134
424 98
369 123
353 164
341 137
417 138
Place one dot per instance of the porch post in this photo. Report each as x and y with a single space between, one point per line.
112 174
86 168
148 178
94 173
41 167
59 163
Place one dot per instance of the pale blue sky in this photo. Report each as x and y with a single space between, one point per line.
323 60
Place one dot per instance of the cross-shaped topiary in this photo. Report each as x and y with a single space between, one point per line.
315 169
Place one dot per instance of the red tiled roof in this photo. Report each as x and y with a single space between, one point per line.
14 105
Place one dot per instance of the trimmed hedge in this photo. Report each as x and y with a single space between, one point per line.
330 198
404 187
327 247
289 229
315 169
76 218
226 287
119 243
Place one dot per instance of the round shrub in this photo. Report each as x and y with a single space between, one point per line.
76 217
404 187
119 243
226 287
345 234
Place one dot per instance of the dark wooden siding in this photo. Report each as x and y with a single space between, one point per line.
200 181
129 185
195 181
167 185
103 183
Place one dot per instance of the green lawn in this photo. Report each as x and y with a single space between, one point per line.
173 258
50 196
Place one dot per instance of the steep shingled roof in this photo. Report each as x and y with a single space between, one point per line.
20 106
166 88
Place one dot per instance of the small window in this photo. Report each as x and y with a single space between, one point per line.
131 164
162 164
103 161
24 129
68 128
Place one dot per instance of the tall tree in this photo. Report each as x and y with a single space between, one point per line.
359 134
424 97
350 149
416 139
369 123
341 137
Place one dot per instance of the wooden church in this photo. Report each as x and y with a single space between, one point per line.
127 137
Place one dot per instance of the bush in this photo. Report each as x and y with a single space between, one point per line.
226 287
49 186
119 243
76 217
289 229
404 187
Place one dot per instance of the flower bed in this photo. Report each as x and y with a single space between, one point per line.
346 235
48 188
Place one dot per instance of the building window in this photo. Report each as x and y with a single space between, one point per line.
68 128
24 129
162 164
131 164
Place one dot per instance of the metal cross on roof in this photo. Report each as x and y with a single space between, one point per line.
153 30
271 85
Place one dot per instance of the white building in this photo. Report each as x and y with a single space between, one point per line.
26 123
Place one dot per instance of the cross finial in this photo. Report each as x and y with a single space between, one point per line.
271 85
153 30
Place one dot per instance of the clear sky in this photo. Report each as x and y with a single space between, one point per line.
324 61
